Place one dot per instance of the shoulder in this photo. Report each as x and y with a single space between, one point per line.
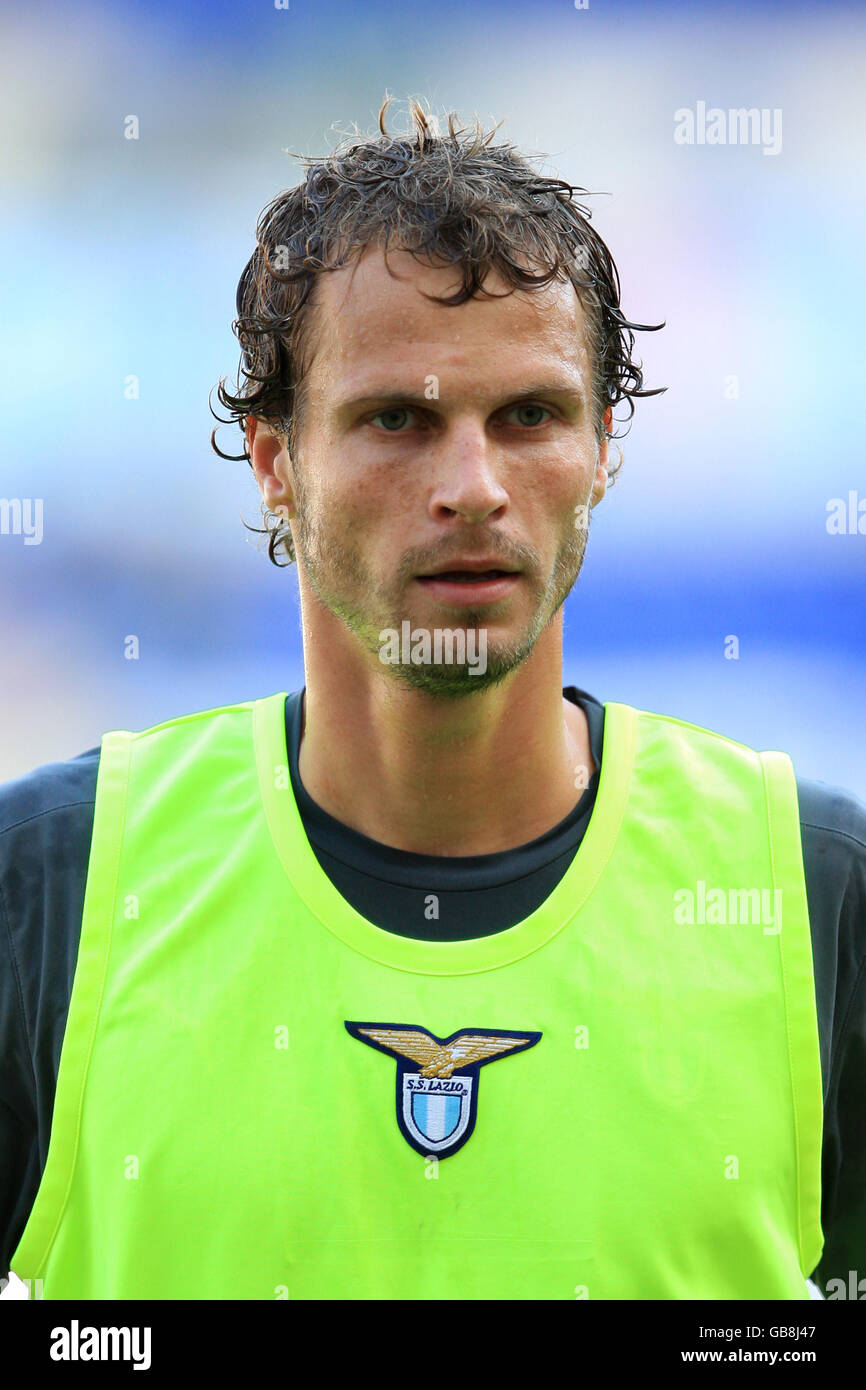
48 791
46 824
833 834
834 814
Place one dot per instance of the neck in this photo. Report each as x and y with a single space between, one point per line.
438 776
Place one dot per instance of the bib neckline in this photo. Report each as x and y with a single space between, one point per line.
336 915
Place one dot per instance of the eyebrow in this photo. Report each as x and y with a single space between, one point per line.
565 390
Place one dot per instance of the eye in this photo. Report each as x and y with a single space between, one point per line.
531 407
394 418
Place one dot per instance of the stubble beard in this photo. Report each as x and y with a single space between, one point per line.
336 571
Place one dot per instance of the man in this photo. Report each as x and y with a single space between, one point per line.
433 980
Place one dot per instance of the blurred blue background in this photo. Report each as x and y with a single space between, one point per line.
120 258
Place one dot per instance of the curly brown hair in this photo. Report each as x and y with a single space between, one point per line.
450 199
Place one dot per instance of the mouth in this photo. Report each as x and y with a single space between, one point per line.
458 576
470 586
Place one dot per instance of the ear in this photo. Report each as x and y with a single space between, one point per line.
271 465
599 484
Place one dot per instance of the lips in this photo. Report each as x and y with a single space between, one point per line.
460 587
467 576
471 565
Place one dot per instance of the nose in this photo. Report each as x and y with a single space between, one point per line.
465 472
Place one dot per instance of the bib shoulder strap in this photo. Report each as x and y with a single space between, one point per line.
795 944
88 983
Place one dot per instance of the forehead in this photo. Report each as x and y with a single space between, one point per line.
362 316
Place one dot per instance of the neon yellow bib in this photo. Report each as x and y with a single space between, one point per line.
263 1095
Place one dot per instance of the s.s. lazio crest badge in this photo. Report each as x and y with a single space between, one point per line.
437 1078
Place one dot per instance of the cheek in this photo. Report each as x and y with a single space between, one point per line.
556 489
370 519
384 502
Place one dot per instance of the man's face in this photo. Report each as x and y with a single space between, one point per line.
434 437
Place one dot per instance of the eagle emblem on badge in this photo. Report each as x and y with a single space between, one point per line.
437 1078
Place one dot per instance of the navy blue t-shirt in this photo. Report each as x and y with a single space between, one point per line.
46 821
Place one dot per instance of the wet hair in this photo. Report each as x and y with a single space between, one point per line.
452 198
